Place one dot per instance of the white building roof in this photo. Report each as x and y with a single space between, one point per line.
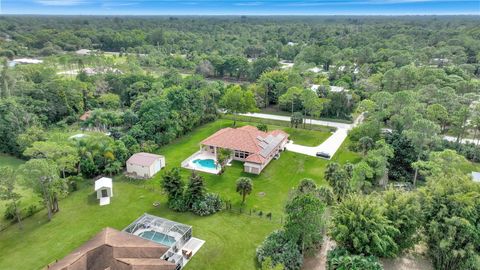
78 136
143 159
103 182
284 64
28 61
336 89
476 177
83 51
315 69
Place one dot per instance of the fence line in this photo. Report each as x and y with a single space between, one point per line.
267 216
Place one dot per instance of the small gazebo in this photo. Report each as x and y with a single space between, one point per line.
103 187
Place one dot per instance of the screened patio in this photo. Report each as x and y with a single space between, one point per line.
161 230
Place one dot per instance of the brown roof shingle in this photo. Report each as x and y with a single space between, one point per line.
117 250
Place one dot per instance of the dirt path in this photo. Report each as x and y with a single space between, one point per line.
319 260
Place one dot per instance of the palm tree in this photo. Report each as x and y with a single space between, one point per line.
244 187
366 144
223 156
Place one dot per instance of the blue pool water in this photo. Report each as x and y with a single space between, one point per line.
160 238
208 164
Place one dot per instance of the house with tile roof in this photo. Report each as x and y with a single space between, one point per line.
248 144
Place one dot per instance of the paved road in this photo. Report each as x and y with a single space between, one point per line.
453 139
329 146
287 119
448 138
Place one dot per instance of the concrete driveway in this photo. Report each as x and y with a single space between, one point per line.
329 146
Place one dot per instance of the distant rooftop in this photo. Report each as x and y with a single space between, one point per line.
143 159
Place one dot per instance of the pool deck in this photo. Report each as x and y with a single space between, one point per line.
188 163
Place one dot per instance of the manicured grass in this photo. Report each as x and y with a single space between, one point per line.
274 110
273 122
231 238
28 197
307 137
6 160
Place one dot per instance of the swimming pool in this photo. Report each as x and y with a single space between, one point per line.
208 164
160 238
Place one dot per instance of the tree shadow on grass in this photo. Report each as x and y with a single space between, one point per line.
92 198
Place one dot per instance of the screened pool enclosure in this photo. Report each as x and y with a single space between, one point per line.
163 231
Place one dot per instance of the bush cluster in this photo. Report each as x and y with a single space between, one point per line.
210 204
193 198
340 258
282 250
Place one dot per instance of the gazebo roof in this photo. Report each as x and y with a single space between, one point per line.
103 182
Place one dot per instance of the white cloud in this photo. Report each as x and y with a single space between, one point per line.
60 2
354 2
248 4
115 4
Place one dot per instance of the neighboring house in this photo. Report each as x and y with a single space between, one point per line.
84 52
333 89
85 116
112 249
285 64
23 61
103 187
145 165
315 69
336 89
27 61
476 177
248 144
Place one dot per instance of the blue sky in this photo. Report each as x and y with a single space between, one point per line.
240 7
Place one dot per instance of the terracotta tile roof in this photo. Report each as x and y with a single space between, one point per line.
86 115
255 158
143 159
248 139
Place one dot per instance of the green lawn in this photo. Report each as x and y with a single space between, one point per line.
231 238
28 197
6 160
307 137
